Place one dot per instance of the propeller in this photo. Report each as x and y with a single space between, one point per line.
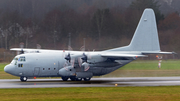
70 61
84 58
38 46
82 48
68 69
68 57
84 64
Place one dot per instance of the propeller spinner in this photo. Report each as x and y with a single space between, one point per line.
68 57
84 58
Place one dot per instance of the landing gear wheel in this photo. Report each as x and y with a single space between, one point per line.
87 79
73 78
23 79
65 78
78 79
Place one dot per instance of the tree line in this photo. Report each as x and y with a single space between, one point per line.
101 27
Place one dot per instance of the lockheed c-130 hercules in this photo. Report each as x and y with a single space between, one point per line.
78 65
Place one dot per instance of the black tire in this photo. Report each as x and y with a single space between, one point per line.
23 79
78 79
65 78
73 78
87 79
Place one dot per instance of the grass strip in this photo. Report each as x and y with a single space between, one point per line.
169 93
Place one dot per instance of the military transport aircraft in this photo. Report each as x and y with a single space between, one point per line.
78 65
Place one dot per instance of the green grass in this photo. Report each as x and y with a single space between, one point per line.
2 65
170 93
146 68
152 65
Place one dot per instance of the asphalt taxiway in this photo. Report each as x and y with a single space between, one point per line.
95 82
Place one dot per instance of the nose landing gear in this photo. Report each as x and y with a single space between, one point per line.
23 79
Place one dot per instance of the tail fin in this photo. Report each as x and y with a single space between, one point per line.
146 36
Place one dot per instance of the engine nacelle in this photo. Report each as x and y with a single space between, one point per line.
95 57
85 66
67 71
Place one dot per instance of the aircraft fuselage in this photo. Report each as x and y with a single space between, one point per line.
54 65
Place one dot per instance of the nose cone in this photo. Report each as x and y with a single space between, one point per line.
8 69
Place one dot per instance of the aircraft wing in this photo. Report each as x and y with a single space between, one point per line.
19 49
126 55
116 55
32 50
157 52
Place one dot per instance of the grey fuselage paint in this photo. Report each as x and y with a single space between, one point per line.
49 64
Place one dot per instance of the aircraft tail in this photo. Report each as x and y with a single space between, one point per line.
146 36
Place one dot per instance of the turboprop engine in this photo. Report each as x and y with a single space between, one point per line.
67 71
84 62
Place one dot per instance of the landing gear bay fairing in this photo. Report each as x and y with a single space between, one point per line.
78 65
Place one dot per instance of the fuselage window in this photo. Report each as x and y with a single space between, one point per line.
20 65
43 68
48 68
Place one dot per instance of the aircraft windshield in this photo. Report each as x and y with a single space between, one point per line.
22 58
14 61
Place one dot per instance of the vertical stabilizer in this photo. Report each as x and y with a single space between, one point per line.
146 36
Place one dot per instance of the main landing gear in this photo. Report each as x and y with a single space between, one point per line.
73 78
23 79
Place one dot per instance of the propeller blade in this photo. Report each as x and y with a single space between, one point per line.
68 57
84 58
82 48
85 66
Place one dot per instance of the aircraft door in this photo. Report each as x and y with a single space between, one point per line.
36 71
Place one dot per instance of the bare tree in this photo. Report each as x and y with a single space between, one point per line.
99 18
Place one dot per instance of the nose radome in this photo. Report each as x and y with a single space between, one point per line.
7 69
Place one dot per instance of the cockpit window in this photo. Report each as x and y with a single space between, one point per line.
19 59
22 58
14 61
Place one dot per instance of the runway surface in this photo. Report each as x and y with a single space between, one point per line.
95 82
